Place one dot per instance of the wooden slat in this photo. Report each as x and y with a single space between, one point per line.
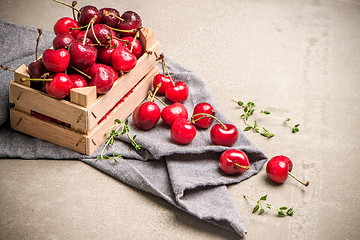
22 72
40 102
147 38
121 87
47 131
84 96
122 111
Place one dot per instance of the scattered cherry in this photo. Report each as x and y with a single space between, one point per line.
165 82
182 131
203 121
178 92
279 167
234 161
172 112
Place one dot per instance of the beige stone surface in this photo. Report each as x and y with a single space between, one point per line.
294 58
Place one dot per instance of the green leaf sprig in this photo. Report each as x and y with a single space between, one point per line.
262 205
119 128
249 109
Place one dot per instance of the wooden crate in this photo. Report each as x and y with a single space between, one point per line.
85 117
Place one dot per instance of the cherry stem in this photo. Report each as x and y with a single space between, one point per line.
305 184
120 30
204 115
133 42
79 28
65 4
37 43
6 68
35 79
86 32
73 4
81 72
162 58
107 13
242 166
92 29
154 94
157 98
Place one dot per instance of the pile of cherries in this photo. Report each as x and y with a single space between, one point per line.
93 50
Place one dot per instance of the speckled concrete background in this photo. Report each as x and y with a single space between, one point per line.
294 58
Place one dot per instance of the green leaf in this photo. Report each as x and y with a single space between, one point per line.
118 121
240 103
256 208
283 208
115 160
246 109
98 157
247 128
290 212
105 157
287 119
126 122
281 214
263 198
261 211
266 112
296 125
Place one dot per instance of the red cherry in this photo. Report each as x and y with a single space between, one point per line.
37 68
132 21
279 167
104 53
60 86
110 19
182 131
202 121
82 56
137 48
63 41
86 13
56 60
102 33
103 77
122 59
178 92
146 115
78 81
80 34
234 161
224 135
64 24
172 112
165 82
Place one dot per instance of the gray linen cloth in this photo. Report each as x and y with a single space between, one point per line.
185 176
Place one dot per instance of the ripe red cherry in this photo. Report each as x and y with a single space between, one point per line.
103 77
178 92
78 81
122 59
87 13
224 135
132 21
165 82
104 53
63 41
60 86
172 112
182 131
56 60
80 34
64 24
110 19
234 161
202 121
82 56
37 68
146 115
137 48
279 167
101 32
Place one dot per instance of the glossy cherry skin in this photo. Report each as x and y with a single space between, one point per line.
87 13
172 112
146 115
82 56
110 20
278 167
103 77
233 161
178 92
137 49
182 131
63 41
165 82
56 60
122 59
78 81
224 137
104 53
64 24
132 21
37 68
101 32
60 86
203 108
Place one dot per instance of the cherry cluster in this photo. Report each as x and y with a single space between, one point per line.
93 50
